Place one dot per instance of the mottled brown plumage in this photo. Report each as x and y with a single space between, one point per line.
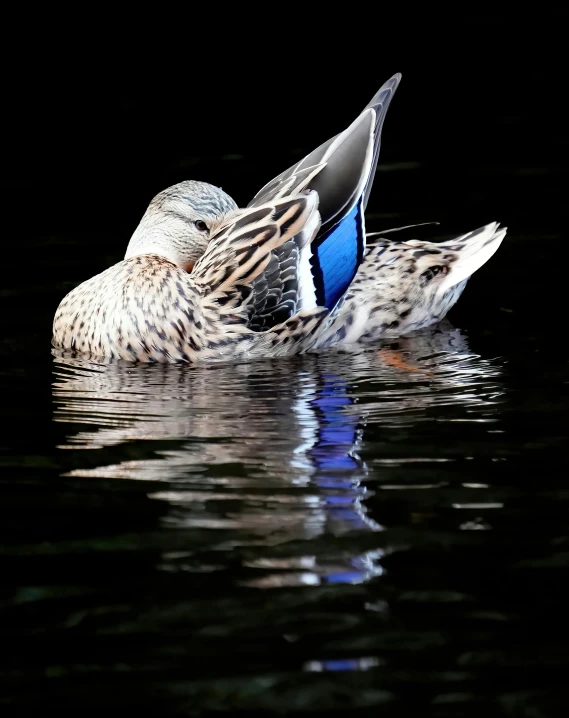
204 280
404 286
146 308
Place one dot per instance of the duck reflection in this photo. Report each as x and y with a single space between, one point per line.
269 450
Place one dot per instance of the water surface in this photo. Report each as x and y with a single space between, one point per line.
382 531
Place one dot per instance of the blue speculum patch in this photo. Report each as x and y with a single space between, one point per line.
336 258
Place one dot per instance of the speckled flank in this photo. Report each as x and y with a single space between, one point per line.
147 309
405 286
143 308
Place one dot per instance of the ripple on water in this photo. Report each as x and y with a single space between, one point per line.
286 453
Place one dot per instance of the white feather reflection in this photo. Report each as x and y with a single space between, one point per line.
269 450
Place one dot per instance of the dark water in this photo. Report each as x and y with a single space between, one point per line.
320 534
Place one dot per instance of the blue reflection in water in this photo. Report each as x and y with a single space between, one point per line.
344 664
338 471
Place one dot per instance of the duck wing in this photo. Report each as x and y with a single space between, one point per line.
249 271
341 171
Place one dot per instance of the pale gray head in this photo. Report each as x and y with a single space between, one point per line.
179 222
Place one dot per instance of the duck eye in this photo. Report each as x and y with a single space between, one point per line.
432 272
201 225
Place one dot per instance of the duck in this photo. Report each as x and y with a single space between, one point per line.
293 272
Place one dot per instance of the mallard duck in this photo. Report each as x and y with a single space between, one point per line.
205 280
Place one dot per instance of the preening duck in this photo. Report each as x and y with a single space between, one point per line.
203 280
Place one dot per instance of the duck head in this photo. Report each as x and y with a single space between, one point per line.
179 222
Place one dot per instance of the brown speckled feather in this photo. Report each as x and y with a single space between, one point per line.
404 286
